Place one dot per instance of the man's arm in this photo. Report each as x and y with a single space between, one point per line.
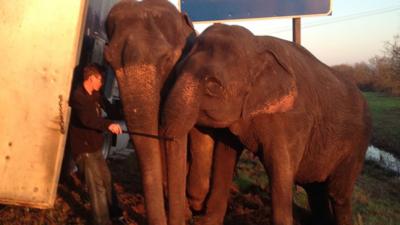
87 115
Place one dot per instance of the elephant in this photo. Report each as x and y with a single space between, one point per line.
147 39
308 125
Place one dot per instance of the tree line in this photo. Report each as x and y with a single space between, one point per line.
380 73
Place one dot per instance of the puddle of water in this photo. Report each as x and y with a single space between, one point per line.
384 159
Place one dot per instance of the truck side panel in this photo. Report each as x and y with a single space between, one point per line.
40 45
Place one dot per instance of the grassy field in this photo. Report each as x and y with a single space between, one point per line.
385 113
376 199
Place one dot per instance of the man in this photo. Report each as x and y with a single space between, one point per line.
86 139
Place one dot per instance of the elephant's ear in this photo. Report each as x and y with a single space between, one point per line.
187 20
273 85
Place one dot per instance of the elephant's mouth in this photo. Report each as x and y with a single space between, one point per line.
209 118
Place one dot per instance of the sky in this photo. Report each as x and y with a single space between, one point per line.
355 32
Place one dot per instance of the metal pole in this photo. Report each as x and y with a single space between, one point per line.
297 30
296 26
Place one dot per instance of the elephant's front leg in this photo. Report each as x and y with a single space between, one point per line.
176 160
225 158
277 164
201 152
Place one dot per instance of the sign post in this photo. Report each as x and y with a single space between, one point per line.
296 30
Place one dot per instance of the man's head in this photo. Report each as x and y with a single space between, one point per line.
92 77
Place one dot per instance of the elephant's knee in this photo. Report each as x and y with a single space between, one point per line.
197 192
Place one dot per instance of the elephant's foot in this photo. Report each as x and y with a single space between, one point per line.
188 213
208 221
196 205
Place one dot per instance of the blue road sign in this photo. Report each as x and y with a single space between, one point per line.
212 10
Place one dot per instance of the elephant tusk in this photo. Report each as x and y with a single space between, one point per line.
149 135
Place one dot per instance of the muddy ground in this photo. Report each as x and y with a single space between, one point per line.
72 203
250 202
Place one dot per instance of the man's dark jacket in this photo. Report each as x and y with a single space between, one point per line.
87 124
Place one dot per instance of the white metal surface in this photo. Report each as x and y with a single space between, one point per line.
39 45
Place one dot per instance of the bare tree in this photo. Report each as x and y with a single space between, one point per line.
392 52
381 73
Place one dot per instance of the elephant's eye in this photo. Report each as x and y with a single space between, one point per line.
213 87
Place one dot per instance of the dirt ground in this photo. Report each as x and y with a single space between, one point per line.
249 204
72 203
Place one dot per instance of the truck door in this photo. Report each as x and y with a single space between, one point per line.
40 46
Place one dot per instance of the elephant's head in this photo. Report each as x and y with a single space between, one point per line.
146 40
230 75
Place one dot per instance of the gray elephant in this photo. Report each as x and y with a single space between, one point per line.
308 125
146 41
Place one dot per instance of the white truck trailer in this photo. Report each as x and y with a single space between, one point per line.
40 45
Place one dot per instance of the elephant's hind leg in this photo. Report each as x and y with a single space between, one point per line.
340 188
341 204
318 200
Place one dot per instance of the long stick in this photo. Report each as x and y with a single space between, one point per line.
148 135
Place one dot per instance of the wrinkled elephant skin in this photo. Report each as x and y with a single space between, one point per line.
146 40
308 125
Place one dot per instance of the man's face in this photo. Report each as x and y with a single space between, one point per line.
96 81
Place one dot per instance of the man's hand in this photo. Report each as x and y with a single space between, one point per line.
115 128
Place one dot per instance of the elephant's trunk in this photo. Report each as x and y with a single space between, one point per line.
179 116
181 107
140 98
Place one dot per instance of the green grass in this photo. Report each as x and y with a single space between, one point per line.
385 112
376 198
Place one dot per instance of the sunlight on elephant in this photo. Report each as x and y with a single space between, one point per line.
147 39
308 125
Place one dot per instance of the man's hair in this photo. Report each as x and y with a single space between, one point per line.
92 69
